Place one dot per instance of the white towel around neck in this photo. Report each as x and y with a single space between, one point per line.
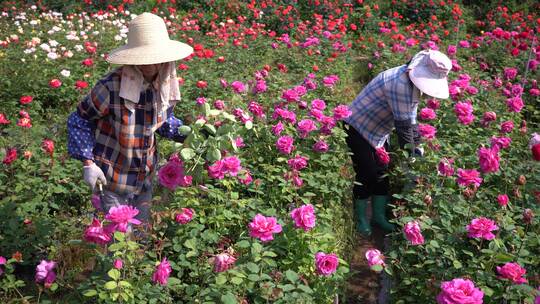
166 82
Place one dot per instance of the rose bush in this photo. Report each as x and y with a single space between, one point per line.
254 206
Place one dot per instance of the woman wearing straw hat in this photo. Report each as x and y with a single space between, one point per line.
389 101
112 130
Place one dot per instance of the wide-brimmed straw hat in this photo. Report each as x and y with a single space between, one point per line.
148 43
428 71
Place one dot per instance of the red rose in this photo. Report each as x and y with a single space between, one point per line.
536 152
26 99
87 62
221 59
11 155
202 84
3 119
55 83
79 84
382 156
48 146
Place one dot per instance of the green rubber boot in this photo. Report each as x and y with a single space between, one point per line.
378 204
362 224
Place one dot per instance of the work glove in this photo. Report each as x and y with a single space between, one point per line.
91 174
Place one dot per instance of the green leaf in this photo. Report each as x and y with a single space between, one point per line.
249 125
237 280
305 288
187 153
457 264
291 276
90 293
253 267
243 244
213 155
184 130
111 285
221 279
228 298
377 268
114 274
128 284
256 247
54 287
270 254
210 128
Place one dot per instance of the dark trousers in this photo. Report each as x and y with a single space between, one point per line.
369 171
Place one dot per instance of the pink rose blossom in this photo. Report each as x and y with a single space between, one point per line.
341 112
290 95
246 179
488 117
219 104
510 73
445 167
223 262
481 228
298 162
500 142
122 215
285 144
427 114
304 217
502 199
452 50
260 87
305 126
321 146
278 128
95 233
171 175
45 272
433 104
513 272
374 257
427 131
238 87
382 155
162 272
326 264
460 291
263 228
488 159
256 109
507 126
413 233
231 165
185 216
239 142
200 100
330 81
318 104
118 264
468 177
514 104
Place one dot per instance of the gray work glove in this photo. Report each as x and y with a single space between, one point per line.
92 173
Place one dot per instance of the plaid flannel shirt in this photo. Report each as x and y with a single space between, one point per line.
389 96
121 142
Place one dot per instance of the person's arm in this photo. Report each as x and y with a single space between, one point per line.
169 129
82 123
81 126
404 107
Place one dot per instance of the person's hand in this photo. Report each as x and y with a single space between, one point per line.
92 173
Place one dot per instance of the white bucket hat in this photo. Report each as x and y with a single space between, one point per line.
428 71
149 43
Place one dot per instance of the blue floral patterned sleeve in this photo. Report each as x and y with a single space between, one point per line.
80 139
169 129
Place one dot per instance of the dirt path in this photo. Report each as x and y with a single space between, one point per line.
364 285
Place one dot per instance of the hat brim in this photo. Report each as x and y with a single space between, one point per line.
429 83
150 54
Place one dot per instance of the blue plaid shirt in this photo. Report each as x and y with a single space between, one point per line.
389 96
119 141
